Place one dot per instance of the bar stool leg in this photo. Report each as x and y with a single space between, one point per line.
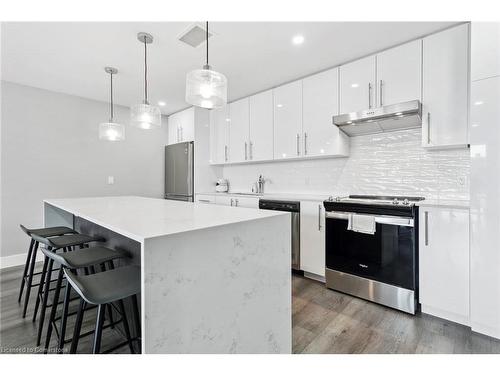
137 320
44 302
110 310
40 286
64 316
78 326
53 310
125 326
25 272
30 279
96 348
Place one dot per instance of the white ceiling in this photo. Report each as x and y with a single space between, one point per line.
69 57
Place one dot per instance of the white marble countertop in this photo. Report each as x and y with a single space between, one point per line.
140 218
282 196
451 203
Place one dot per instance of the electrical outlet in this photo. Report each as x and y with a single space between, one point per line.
461 180
111 180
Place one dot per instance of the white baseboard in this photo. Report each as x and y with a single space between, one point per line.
17 260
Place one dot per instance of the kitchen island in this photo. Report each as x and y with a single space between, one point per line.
215 279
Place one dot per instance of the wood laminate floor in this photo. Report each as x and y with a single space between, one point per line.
325 321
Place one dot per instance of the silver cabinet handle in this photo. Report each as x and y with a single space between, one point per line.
182 135
426 224
225 153
369 95
246 153
380 92
319 217
428 128
231 202
236 202
305 143
204 200
251 150
298 140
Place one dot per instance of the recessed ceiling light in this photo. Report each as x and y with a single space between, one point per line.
162 104
354 85
478 102
279 105
298 39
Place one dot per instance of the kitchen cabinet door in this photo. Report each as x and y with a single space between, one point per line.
445 96
239 131
399 74
288 120
485 39
444 262
219 134
224 200
181 126
312 237
357 85
320 104
261 126
248 202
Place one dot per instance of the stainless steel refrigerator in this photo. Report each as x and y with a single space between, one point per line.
179 171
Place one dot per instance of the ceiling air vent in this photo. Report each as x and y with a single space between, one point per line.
194 36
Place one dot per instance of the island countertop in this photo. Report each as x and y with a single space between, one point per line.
140 218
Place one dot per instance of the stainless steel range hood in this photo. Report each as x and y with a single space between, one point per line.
388 118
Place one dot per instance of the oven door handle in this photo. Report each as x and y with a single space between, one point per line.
390 220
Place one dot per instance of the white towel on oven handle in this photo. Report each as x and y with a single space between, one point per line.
361 223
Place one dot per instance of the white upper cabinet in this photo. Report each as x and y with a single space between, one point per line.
357 85
288 120
445 96
181 126
485 39
219 134
239 131
260 146
320 104
444 262
312 237
399 74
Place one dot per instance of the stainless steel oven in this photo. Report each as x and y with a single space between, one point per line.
379 266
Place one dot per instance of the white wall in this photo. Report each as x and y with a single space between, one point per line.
390 163
50 149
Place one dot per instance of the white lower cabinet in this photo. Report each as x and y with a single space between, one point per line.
312 237
237 201
205 198
444 262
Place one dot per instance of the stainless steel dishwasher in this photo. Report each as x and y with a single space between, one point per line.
294 208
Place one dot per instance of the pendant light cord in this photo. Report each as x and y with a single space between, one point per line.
145 72
206 30
111 101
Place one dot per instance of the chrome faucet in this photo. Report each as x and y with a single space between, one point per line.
260 185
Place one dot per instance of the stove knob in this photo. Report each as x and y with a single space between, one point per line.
330 199
395 201
406 202
337 199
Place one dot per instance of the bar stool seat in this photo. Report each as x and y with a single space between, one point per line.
65 241
81 259
48 232
109 286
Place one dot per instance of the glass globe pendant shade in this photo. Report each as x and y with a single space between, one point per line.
206 88
145 116
111 131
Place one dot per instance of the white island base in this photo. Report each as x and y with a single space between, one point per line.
215 279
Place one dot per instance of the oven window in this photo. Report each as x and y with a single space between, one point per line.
387 256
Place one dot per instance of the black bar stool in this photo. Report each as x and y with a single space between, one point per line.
54 244
102 289
29 266
74 260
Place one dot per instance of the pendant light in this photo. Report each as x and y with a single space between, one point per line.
144 115
205 87
111 130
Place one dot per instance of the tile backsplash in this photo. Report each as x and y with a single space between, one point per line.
389 163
